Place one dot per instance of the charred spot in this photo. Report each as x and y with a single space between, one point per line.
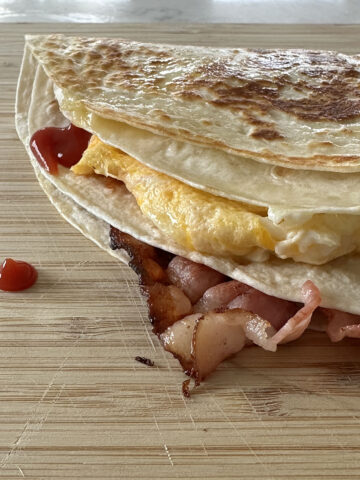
257 122
329 83
352 73
331 108
267 134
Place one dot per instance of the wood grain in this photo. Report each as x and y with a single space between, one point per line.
74 404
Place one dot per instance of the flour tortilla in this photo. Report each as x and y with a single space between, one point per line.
338 281
90 204
294 108
281 189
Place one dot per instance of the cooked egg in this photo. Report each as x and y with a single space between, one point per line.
200 221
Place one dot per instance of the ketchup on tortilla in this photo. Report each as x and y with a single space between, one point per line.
53 145
16 275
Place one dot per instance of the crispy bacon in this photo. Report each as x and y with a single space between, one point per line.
148 262
202 341
202 317
193 278
167 304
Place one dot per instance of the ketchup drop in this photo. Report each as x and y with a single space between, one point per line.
53 145
16 275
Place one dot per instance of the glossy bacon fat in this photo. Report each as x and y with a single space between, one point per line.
202 317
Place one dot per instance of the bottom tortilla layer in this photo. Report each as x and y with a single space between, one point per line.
187 330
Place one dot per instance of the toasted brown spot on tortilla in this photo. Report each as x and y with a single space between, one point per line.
267 134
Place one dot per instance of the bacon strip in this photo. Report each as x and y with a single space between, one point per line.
297 324
193 278
220 295
167 303
341 324
202 317
148 262
202 341
275 310
177 339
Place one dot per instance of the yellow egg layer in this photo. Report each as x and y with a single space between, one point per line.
215 225
194 219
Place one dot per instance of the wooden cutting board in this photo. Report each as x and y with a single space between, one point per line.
74 404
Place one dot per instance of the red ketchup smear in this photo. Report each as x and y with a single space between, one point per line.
52 145
16 275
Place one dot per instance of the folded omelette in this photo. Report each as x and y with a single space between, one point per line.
246 162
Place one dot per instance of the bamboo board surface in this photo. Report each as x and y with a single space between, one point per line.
74 404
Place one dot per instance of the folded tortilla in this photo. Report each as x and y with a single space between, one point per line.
223 125
258 103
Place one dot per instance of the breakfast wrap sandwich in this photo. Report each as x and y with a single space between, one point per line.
226 178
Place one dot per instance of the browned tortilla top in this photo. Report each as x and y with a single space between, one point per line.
297 108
